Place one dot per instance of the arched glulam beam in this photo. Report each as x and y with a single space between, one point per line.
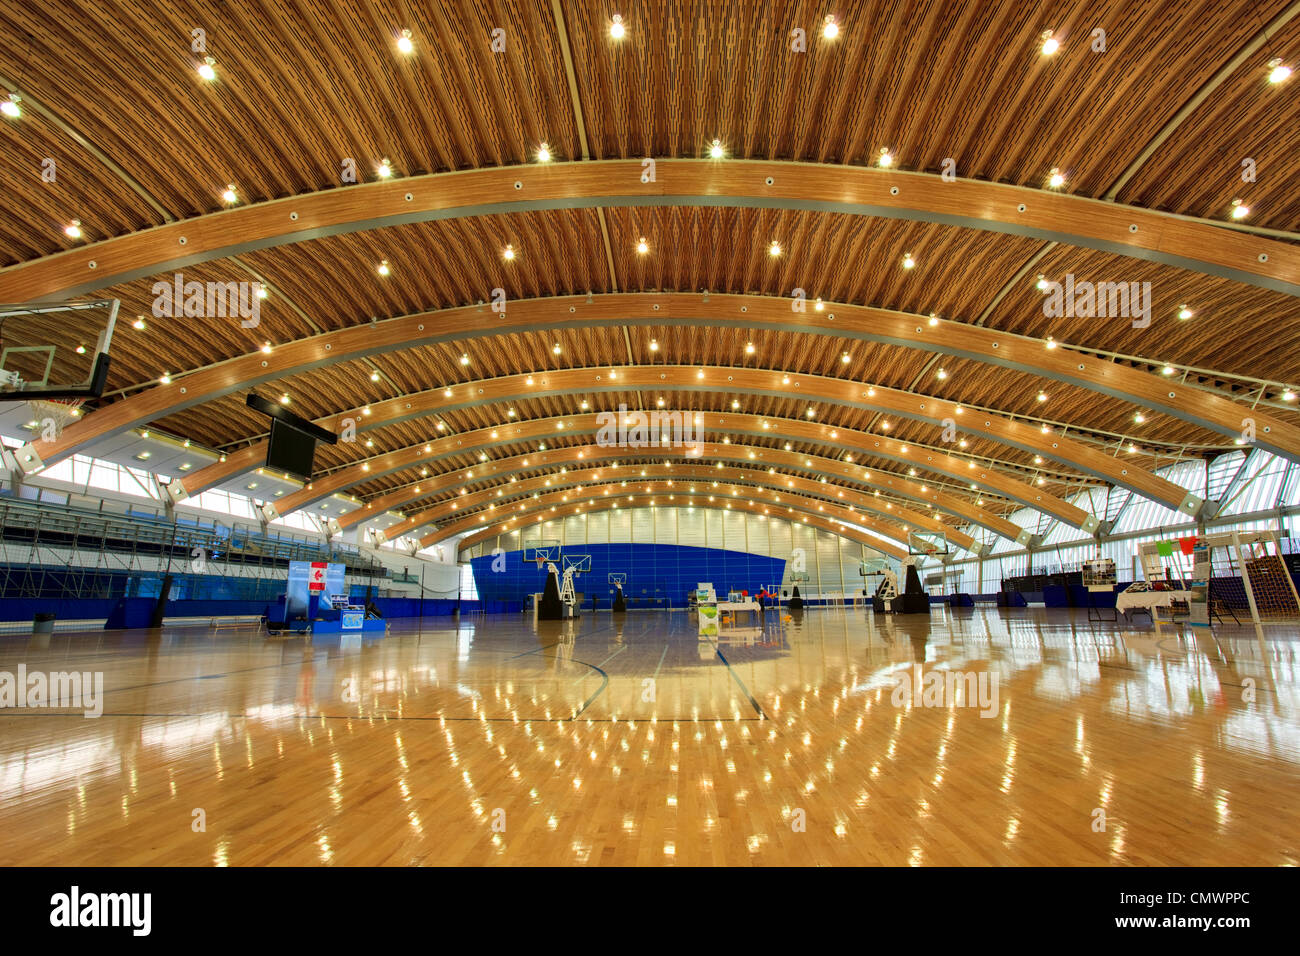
794 489
815 389
502 468
960 469
1144 389
853 190
836 520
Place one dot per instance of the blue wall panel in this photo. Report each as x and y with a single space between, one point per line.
654 572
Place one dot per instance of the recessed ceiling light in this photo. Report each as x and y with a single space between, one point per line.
830 29
1288 395
1050 43
908 261
941 374
464 358
166 378
207 69
1184 313
1042 282
404 42
284 399
749 348
138 324
385 168
556 348
10 106
1056 178
818 306
81 350
844 358
544 153
811 412
374 376
1042 396
229 195
383 268
73 229
886 157
616 28
1277 70
262 293
774 249
1139 418
642 247
654 345
1167 370
1239 209
715 149
508 253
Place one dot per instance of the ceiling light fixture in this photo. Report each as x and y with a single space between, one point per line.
1050 43
404 42
616 28
207 69
10 106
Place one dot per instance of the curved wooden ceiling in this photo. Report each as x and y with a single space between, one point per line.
1150 135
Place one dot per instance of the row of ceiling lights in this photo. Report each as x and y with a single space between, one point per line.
1278 72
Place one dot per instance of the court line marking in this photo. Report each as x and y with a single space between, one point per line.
736 677
655 676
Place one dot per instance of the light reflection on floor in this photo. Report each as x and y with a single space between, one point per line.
633 741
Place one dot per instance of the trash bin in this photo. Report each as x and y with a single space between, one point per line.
43 623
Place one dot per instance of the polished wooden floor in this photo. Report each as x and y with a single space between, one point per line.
632 742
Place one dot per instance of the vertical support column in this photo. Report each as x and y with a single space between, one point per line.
1245 580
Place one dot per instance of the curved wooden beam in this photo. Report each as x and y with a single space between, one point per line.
945 337
805 494
763 457
815 389
837 520
961 469
855 190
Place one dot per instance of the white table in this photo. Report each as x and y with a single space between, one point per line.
737 607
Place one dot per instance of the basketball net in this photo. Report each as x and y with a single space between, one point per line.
62 411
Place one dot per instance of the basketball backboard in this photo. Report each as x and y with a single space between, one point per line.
541 549
578 562
55 350
928 543
873 566
618 577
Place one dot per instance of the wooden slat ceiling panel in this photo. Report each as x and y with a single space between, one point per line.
1198 170
1217 304
304 84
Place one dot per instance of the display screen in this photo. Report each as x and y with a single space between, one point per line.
291 452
